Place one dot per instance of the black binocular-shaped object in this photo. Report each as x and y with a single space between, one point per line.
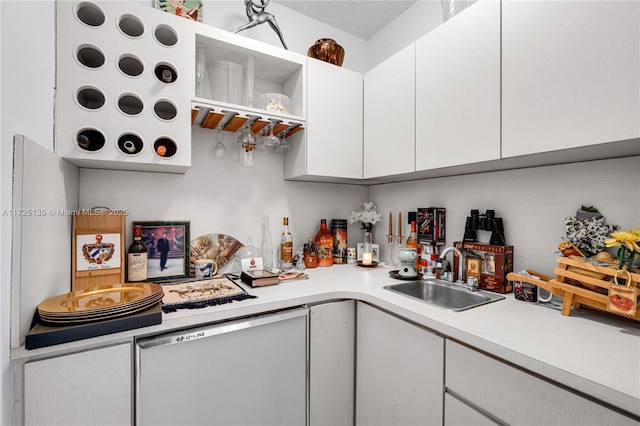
484 222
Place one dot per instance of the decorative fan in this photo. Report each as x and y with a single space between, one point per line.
218 247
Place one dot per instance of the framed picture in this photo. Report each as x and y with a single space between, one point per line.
190 9
167 249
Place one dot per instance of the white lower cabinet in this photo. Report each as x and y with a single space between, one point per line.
332 363
85 388
515 397
457 413
399 374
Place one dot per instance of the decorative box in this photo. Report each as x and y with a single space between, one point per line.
495 263
431 226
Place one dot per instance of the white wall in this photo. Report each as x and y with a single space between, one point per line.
300 32
219 197
27 89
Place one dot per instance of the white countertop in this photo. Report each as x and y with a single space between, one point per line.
592 352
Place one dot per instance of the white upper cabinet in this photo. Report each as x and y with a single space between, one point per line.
332 143
458 89
570 74
389 116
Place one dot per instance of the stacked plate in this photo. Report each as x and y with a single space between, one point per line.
99 303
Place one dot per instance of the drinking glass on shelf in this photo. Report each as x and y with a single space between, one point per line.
250 73
200 67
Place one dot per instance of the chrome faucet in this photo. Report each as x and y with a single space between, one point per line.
461 265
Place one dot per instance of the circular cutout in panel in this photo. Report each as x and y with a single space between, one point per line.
91 140
90 56
165 147
131 25
165 110
90 14
130 104
165 72
130 144
165 35
90 98
130 65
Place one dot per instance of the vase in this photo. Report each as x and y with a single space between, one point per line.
327 50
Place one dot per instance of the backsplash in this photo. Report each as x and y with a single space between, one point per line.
533 202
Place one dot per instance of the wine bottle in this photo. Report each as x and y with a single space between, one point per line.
286 246
324 244
165 73
137 257
90 140
412 242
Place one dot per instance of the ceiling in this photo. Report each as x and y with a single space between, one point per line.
362 19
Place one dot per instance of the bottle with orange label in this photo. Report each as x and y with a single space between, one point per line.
412 242
324 244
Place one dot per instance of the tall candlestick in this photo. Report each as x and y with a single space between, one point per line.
390 234
399 228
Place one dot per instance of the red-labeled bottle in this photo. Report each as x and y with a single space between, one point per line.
324 244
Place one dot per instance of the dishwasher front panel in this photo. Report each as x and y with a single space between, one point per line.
248 372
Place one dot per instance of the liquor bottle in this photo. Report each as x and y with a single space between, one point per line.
90 140
267 245
137 257
310 254
324 244
165 73
286 246
412 242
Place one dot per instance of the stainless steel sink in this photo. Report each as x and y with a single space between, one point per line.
446 295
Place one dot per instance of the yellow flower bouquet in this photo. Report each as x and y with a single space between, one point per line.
627 239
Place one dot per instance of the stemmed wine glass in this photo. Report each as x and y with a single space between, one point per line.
246 148
221 150
200 66
283 145
271 140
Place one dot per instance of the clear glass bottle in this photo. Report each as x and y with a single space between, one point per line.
137 257
324 244
286 246
267 245
412 242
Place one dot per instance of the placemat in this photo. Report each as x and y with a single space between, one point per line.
193 294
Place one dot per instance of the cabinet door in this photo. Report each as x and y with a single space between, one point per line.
569 74
516 397
86 388
457 413
332 363
399 376
389 116
458 89
334 121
